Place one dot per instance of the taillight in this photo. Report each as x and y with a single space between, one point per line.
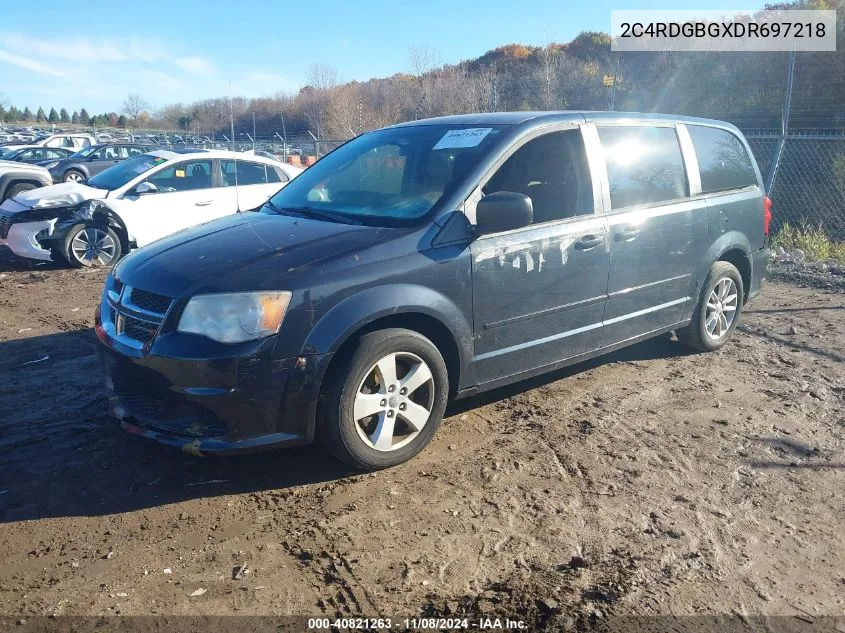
767 214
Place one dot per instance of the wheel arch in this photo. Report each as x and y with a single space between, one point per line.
740 259
9 181
415 308
78 169
732 247
112 219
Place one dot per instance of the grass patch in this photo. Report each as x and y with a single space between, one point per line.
812 241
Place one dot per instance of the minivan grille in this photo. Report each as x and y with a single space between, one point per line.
142 331
149 301
136 314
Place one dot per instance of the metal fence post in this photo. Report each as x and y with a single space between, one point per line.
787 107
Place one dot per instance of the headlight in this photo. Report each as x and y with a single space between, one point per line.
51 164
235 317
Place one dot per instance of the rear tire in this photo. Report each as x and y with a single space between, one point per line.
14 190
92 245
383 402
717 313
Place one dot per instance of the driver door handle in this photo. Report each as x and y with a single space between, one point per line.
204 203
589 242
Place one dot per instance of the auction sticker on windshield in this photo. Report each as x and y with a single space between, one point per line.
463 138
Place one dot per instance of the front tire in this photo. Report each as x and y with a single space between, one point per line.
92 245
717 313
73 175
383 402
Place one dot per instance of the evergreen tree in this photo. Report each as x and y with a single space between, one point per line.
27 114
121 121
74 118
54 116
63 116
40 117
84 118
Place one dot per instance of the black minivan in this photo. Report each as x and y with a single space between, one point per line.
427 261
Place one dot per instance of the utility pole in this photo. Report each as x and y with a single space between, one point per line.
253 131
284 135
231 116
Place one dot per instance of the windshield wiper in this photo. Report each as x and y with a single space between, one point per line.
307 211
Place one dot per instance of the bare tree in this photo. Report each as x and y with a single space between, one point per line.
134 106
322 81
424 62
423 59
322 76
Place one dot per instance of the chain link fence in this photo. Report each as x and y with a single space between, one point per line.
805 177
296 149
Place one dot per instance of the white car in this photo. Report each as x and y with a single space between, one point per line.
136 202
70 140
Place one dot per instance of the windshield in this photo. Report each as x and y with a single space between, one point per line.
85 151
389 176
7 153
118 175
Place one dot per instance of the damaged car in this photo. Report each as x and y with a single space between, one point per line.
133 203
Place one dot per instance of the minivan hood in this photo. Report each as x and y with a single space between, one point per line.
66 194
245 251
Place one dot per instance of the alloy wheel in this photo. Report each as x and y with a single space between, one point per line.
394 401
721 308
93 246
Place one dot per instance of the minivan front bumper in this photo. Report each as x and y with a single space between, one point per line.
243 403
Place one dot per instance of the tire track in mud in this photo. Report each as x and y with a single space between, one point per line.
315 549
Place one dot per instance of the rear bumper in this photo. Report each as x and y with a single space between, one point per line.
217 406
759 266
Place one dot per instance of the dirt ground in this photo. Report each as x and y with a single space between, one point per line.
652 481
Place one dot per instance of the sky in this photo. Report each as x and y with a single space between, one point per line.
53 54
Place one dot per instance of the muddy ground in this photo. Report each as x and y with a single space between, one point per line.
652 481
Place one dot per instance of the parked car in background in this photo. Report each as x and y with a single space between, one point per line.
92 160
18 177
69 140
427 261
135 202
34 154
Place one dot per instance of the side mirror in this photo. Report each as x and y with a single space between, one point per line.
144 188
503 211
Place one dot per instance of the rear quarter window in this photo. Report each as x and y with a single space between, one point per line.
723 161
